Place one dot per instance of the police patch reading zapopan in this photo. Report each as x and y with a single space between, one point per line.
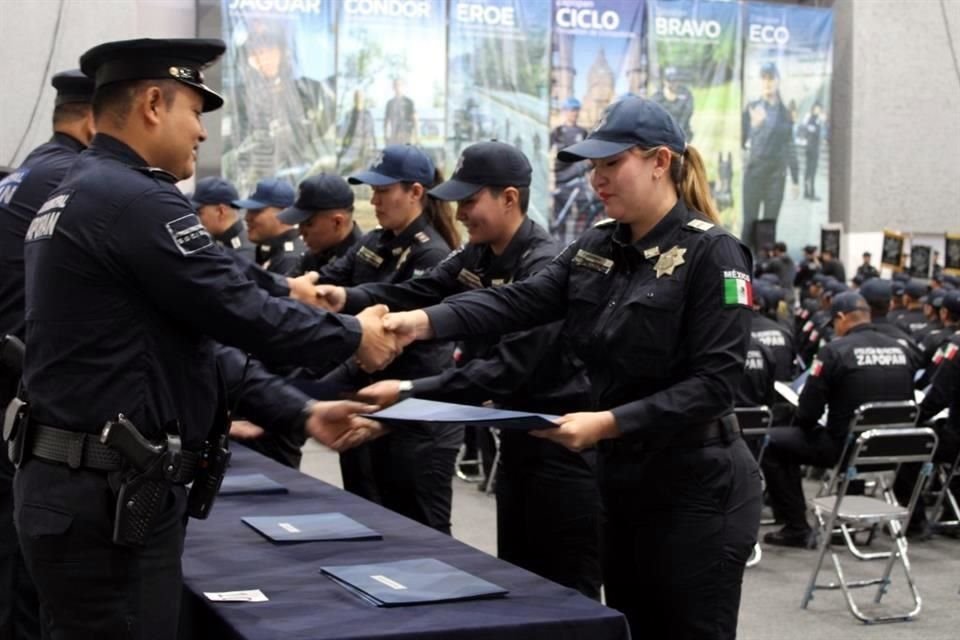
880 356
737 289
188 234
45 222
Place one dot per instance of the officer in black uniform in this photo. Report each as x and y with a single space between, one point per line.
936 340
548 505
117 253
756 388
655 303
861 365
866 270
913 320
568 176
410 470
676 99
812 132
809 266
213 199
278 244
772 334
830 265
21 195
932 303
878 292
323 212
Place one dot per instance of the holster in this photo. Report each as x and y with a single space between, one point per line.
139 502
16 432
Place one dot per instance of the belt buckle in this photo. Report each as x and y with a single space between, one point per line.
75 450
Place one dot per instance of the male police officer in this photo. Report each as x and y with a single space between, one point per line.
861 365
213 198
21 195
548 507
123 288
866 270
278 244
323 212
677 100
913 320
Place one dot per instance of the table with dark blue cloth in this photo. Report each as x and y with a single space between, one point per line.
223 554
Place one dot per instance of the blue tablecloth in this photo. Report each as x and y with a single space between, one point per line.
222 554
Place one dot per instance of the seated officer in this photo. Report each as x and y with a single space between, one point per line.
771 333
324 213
936 341
213 199
278 244
861 365
912 320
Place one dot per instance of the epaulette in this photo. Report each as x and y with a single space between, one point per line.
605 223
421 237
154 172
700 225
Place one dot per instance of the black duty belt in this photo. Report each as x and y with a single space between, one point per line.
721 431
84 450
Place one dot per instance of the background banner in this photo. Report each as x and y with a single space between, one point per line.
785 121
597 54
695 55
498 83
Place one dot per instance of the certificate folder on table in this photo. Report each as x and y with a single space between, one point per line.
249 484
311 527
420 411
409 582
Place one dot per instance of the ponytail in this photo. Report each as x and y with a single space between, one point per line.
440 214
690 176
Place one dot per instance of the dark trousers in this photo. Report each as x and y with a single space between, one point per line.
549 523
89 587
947 447
790 447
356 472
810 173
676 543
761 188
19 606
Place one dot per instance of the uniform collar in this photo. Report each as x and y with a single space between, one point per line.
114 147
286 236
515 248
406 237
235 231
341 247
866 326
68 141
662 233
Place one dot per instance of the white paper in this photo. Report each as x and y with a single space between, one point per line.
250 595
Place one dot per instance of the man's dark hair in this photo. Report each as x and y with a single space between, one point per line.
524 195
781 247
115 100
69 112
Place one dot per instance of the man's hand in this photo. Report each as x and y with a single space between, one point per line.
337 424
578 431
378 347
303 289
383 393
409 326
243 430
757 115
330 297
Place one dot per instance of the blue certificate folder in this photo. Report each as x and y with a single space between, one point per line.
311 527
248 484
417 410
407 582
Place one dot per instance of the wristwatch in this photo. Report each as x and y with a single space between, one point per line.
406 390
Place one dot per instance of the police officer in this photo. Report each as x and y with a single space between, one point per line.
878 293
861 365
118 254
655 303
323 212
278 244
913 320
771 333
548 505
866 270
933 344
568 175
831 266
756 388
932 303
676 99
213 199
410 470
21 195
809 266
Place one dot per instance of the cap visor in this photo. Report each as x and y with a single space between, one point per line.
211 99
249 204
293 215
372 178
592 148
454 190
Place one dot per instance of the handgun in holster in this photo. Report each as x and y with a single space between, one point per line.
145 482
16 415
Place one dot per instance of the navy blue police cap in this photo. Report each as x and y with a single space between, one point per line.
485 164
877 291
847 302
822 278
214 190
72 86
323 192
951 301
834 287
397 163
772 278
897 287
901 276
270 192
770 69
916 288
627 123
935 298
768 295
953 281
180 59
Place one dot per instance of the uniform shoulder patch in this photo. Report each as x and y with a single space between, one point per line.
188 234
737 289
44 222
700 225
421 237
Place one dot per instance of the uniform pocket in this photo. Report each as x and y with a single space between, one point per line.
36 521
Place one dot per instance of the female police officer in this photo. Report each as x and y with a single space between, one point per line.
655 302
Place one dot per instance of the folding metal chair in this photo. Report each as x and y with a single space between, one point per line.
944 500
755 422
876 448
872 415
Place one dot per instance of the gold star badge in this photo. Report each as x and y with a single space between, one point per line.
669 261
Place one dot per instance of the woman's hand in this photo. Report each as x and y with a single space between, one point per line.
578 431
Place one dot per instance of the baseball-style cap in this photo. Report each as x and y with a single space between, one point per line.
847 302
834 288
916 289
485 164
770 69
901 276
571 104
877 291
935 298
72 86
213 190
270 192
180 59
951 301
772 278
630 122
397 163
322 192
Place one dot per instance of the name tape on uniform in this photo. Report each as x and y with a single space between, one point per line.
592 261
369 256
188 234
469 279
880 356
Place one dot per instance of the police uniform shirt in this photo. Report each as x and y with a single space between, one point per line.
887 328
118 255
681 108
236 245
862 366
21 195
661 325
913 321
316 261
867 271
778 340
771 149
756 388
235 240
281 254
564 136
945 386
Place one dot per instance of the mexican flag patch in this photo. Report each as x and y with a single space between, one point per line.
737 290
951 351
816 367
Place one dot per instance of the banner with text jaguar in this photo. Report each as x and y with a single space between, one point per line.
278 83
695 75
498 83
787 67
598 55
